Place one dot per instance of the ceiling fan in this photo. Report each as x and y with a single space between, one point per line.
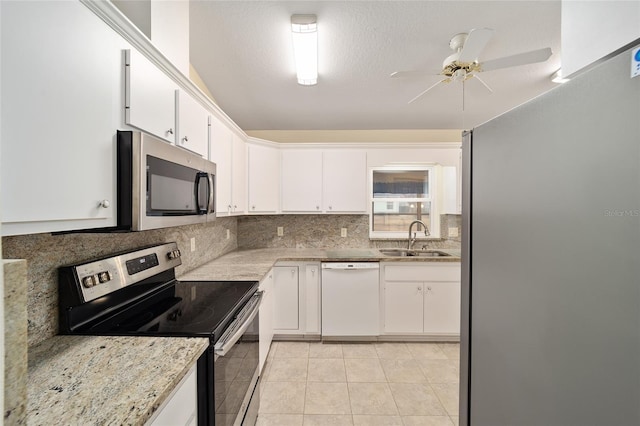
463 64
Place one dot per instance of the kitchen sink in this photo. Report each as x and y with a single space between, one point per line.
401 252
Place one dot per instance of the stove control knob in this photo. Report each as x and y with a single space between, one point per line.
89 281
174 254
105 276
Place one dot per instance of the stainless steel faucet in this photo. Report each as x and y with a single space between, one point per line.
413 240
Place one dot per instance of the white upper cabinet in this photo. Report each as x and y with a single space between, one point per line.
229 152
330 181
220 153
344 181
263 167
239 175
61 78
150 97
192 124
301 180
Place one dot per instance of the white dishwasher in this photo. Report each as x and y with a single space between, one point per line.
350 299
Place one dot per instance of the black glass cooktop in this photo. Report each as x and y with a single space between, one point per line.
183 308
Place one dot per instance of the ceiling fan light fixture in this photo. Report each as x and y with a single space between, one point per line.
304 33
557 77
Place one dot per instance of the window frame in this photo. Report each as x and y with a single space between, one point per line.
434 222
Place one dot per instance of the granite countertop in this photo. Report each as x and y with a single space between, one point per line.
84 380
254 264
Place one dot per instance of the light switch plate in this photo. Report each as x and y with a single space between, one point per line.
228 234
343 232
280 231
453 232
193 243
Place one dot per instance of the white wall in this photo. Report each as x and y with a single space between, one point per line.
170 31
165 23
591 30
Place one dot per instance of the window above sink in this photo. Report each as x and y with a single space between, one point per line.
400 195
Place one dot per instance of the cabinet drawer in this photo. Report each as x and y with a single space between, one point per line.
420 273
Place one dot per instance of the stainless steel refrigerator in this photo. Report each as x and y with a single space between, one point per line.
551 258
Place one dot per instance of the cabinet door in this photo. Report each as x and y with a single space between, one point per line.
239 175
221 145
286 303
150 97
403 307
62 100
182 407
442 308
344 181
192 124
302 180
266 317
312 290
264 178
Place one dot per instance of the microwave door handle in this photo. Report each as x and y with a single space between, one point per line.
211 201
238 327
199 177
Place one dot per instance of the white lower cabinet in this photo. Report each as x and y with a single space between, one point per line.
421 299
312 297
297 298
287 299
442 308
266 316
182 406
404 307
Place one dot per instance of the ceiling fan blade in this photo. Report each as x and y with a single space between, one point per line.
474 44
525 58
425 91
483 83
401 74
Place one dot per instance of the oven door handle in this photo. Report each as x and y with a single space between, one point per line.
239 325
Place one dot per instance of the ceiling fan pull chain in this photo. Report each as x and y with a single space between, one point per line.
463 84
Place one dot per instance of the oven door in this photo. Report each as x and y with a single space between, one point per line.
236 368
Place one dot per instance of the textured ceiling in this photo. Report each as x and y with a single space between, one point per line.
242 51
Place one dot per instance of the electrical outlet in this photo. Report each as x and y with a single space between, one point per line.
343 232
453 232
228 234
280 231
193 243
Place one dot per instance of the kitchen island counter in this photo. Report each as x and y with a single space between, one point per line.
105 380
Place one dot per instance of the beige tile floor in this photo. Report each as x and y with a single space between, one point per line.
370 384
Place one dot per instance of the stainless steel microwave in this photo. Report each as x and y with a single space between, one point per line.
162 185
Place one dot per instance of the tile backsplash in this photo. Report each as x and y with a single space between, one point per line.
321 231
45 253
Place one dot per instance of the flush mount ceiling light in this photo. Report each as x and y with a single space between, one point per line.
304 31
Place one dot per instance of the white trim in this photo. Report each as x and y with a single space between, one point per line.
113 17
369 145
263 142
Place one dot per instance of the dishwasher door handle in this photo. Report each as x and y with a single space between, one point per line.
351 266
